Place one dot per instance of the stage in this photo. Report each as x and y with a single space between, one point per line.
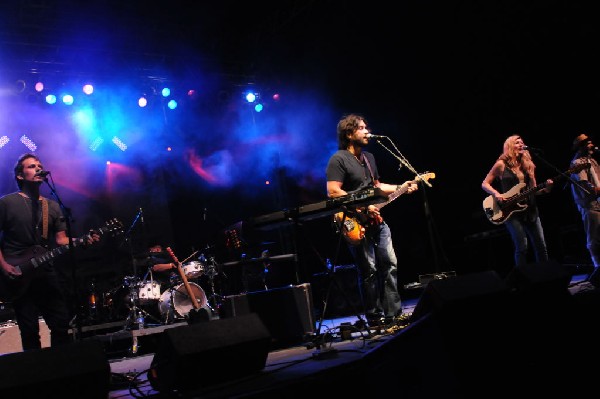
475 335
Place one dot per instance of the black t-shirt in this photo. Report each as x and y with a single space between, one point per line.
354 174
21 223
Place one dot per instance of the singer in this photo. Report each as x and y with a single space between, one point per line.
29 222
514 170
351 169
585 195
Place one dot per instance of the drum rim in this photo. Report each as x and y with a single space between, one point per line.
166 299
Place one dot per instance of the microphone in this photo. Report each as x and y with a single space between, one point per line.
374 136
526 147
141 215
42 173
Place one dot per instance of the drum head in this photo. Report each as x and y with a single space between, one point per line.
178 301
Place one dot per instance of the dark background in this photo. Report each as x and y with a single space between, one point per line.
446 81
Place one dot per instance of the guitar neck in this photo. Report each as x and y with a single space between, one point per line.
186 283
61 249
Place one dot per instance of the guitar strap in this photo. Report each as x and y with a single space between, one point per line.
364 158
44 218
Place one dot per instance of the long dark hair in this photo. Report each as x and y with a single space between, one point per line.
348 124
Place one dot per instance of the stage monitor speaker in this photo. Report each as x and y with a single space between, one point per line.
549 277
76 370
466 293
204 354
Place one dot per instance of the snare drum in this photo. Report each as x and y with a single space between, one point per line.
149 292
177 301
193 269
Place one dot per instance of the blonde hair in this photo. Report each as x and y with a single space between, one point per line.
515 159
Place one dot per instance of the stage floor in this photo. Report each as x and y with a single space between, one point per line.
461 346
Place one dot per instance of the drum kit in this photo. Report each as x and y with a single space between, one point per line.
146 301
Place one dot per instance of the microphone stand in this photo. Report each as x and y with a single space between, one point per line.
536 153
403 161
427 209
127 235
68 218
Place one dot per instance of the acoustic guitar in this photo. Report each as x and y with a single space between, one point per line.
196 314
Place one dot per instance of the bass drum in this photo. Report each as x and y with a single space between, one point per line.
175 302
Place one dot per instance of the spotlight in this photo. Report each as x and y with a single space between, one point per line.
28 143
88 89
120 144
68 99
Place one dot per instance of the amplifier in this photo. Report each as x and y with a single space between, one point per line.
287 312
10 338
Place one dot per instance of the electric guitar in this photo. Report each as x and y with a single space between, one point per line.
515 199
353 229
12 287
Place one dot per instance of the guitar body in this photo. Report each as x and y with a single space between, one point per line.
353 229
498 213
12 288
515 197
30 260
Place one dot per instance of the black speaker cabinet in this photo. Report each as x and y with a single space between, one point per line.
548 277
203 354
287 312
77 370
340 290
472 292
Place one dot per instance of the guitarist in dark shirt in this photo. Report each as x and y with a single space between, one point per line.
515 166
30 221
350 169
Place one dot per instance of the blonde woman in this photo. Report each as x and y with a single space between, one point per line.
513 174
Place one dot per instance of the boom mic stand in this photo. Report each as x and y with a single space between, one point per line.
136 314
68 218
537 155
432 231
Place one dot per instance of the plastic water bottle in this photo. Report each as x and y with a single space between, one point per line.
140 321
